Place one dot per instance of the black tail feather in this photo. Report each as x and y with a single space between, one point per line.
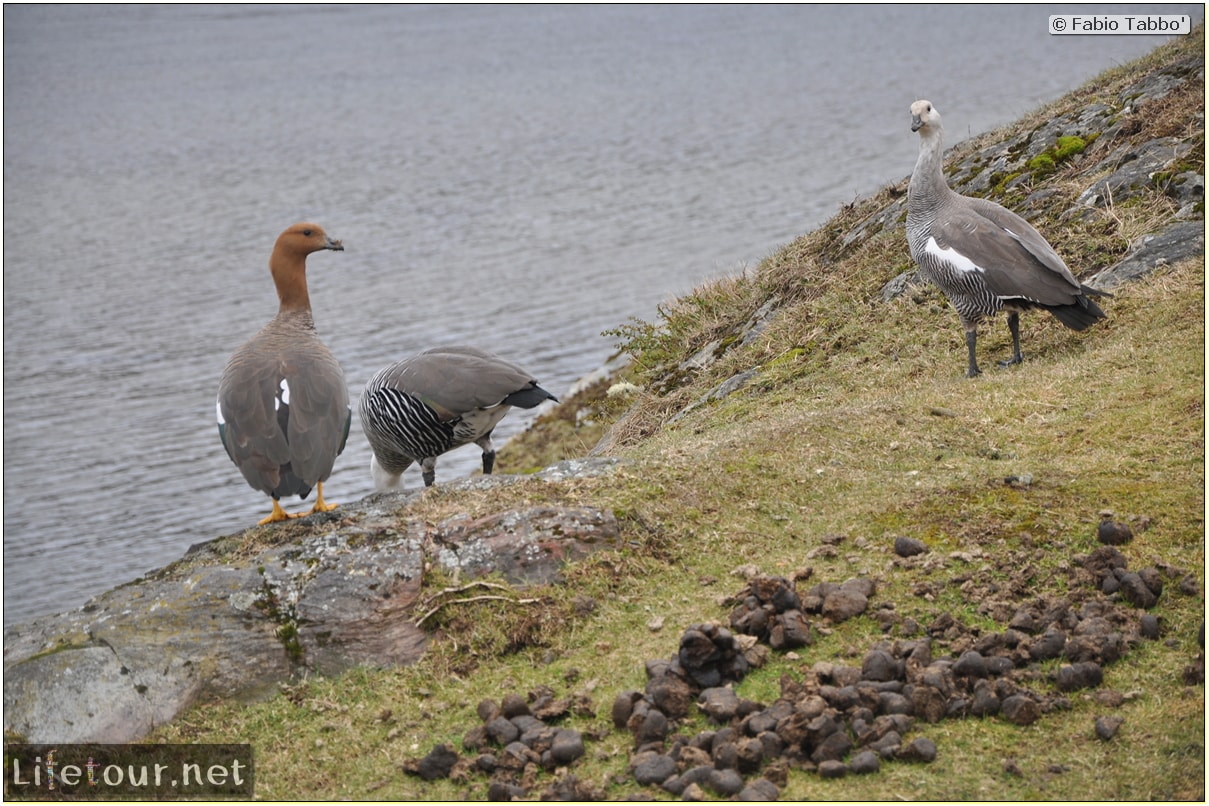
1081 314
529 397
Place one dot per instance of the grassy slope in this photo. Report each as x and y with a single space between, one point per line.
859 423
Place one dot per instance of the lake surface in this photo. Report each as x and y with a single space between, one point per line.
517 178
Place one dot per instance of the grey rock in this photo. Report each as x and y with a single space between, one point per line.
693 776
486 762
1177 241
1132 170
719 703
726 783
1152 579
1112 533
487 710
1047 645
902 284
652 727
880 666
970 664
502 731
760 789
892 703
922 750
653 768
437 764
671 695
999 665
729 386
1136 592
909 546
834 747
1075 676
1107 726
984 701
832 768
928 703
844 603
1021 710
1187 188
568 745
888 745
220 624
623 706
517 544
865 762
514 705
502 791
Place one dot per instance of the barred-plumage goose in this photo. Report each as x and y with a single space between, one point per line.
283 408
443 398
984 257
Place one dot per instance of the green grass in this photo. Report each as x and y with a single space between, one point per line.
860 423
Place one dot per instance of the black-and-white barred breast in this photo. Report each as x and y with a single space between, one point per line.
402 429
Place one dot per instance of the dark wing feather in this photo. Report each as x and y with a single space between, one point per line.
1014 265
283 448
250 430
456 380
319 412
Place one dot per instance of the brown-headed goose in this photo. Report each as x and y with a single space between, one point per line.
443 398
283 409
984 257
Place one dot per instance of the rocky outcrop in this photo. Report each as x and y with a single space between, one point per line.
235 617
1179 240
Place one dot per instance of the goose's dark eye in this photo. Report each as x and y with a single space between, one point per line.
307 232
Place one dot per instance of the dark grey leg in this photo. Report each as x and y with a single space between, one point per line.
1014 329
484 442
972 340
428 469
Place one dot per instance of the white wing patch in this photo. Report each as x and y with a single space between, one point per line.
951 256
218 411
284 397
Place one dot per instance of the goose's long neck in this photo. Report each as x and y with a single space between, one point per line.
928 187
289 275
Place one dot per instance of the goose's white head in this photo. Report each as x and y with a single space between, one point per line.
924 116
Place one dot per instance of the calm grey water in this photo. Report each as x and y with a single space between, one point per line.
519 178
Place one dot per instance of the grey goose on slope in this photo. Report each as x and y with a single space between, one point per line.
443 398
283 407
984 257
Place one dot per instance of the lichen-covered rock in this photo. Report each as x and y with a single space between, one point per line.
222 624
1132 169
1173 243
